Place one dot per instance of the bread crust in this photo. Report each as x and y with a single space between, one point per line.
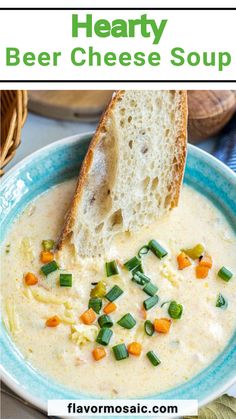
88 160
180 142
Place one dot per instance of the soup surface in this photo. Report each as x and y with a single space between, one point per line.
65 352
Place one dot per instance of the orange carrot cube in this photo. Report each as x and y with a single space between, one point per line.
201 271
109 308
88 317
98 353
183 261
30 279
162 325
46 257
53 321
135 348
206 261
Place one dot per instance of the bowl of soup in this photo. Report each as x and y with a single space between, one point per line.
173 316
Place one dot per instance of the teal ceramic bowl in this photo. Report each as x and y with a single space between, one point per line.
61 161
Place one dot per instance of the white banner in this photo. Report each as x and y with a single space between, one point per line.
150 408
188 45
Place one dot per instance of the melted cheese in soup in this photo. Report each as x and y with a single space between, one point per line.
64 353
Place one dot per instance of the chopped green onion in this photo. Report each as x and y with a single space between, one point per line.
153 358
49 267
65 280
127 321
165 302
143 251
148 327
225 274
95 304
105 321
120 352
175 310
132 263
150 302
157 249
150 289
111 268
195 252
99 291
140 278
48 245
114 293
221 302
104 336
138 268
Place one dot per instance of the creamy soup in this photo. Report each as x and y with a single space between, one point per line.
64 352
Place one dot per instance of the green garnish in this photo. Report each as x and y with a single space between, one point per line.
65 280
221 302
138 268
150 289
114 293
153 358
143 251
175 310
111 268
157 249
104 336
105 321
225 274
150 302
195 252
148 327
49 267
48 245
165 302
120 352
140 278
127 321
99 291
95 304
132 263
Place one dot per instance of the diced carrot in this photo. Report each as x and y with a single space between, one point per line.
162 325
30 279
53 321
201 271
135 348
46 257
206 261
99 353
109 308
88 317
183 261
143 313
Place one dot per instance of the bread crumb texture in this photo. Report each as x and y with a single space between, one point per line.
136 169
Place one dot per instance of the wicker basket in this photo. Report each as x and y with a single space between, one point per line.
13 115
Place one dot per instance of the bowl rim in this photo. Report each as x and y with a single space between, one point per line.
222 169
73 138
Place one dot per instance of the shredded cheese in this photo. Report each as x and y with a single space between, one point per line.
12 317
81 334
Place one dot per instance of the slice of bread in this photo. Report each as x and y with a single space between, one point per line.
133 169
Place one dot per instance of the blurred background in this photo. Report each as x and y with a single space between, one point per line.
33 119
